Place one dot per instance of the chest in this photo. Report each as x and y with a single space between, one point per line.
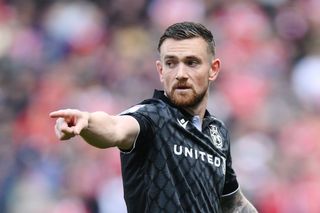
184 153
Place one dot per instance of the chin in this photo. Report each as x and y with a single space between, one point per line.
184 100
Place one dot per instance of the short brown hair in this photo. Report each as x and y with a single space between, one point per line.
186 30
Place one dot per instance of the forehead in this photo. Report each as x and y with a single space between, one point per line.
186 47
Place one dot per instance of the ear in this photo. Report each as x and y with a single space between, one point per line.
159 69
215 68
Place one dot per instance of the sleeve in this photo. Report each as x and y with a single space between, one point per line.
231 184
139 112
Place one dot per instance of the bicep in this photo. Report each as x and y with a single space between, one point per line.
128 130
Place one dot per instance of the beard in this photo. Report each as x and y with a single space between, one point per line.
186 98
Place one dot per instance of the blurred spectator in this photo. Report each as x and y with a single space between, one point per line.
306 81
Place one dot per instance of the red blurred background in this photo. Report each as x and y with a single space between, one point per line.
100 55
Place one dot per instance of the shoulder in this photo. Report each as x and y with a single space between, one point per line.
150 113
215 123
152 108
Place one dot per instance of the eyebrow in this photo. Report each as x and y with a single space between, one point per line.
193 57
170 57
186 57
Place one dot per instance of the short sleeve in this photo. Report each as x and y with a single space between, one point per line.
146 127
231 184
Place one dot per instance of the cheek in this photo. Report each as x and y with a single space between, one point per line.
200 83
168 78
167 84
201 80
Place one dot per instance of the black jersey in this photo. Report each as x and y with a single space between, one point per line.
174 167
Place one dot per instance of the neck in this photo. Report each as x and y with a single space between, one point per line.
199 109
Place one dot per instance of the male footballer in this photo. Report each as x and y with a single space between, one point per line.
175 155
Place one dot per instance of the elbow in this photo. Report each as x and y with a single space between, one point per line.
126 143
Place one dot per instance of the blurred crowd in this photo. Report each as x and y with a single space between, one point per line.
100 55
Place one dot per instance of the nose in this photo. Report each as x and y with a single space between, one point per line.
181 72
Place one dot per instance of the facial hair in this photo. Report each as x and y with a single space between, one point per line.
186 99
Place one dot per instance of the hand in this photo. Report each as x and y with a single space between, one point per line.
69 123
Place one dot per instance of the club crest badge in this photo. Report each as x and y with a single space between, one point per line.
216 137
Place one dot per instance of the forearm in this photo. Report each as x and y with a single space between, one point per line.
98 128
100 131
237 203
104 131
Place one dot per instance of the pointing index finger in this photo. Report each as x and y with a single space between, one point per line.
57 114
61 113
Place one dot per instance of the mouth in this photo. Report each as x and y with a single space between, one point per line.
182 88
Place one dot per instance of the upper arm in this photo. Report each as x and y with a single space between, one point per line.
236 202
146 117
128 130
231 183
232 199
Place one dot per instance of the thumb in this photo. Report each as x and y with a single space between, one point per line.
81 124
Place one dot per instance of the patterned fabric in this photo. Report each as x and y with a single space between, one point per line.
174 167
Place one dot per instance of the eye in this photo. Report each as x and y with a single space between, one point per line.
170 63
192 63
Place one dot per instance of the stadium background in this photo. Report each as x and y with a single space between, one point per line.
99 55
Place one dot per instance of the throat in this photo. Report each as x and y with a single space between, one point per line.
197 122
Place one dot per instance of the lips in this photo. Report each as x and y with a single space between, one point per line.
182 86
